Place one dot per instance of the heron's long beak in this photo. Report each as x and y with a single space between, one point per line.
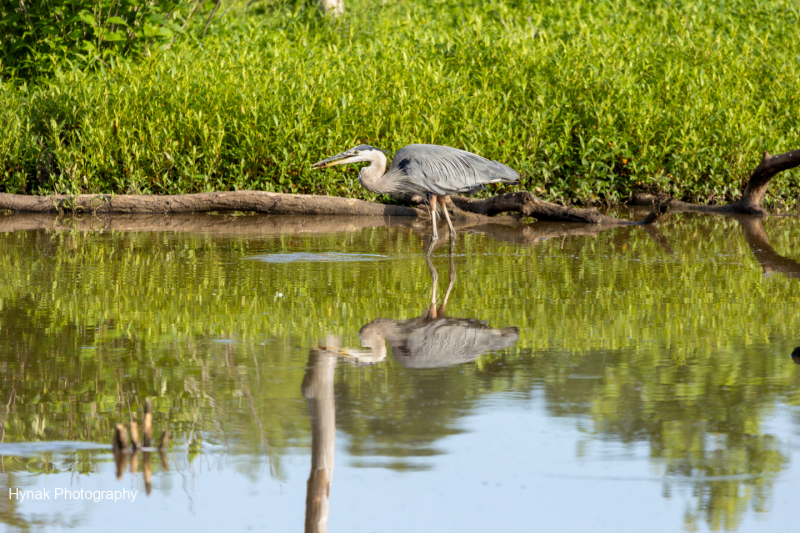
338 159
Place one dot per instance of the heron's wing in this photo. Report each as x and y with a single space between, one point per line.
451 341
444 170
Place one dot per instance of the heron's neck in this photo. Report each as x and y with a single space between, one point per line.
370 177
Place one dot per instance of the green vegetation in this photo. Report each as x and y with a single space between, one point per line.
38 35
586 99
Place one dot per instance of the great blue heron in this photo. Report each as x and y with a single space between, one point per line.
432 171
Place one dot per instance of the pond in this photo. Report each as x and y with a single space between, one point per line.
318 373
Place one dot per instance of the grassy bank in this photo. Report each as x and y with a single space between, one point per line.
585 99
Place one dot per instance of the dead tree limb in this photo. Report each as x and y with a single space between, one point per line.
147 424
752 195
258 201
529 205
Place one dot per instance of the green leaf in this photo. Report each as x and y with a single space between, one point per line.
113 36
88 18
157 18
116 20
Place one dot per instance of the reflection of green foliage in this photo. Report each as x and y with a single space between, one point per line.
673 345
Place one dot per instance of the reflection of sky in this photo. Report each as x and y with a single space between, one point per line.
513 468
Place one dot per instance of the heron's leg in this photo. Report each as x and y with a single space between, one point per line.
443 203
435 234
449 287
435 279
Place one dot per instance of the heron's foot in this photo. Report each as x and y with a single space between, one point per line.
434 239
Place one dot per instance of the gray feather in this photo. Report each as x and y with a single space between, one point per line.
425 343
442 170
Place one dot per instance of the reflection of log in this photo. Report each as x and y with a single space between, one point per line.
659 238
148 473
752 195
196 223
770 260
538 232
164 442
318 391
120 461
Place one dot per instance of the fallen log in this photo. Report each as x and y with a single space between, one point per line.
752 194
529 205
524 203
258 201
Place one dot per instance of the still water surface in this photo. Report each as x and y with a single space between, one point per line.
318 372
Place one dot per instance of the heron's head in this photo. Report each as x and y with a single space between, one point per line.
362 152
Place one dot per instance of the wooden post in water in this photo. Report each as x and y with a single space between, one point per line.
120 442
120 445
135 462
134 436
318 391
147 424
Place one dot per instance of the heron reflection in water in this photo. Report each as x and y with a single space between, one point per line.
433 339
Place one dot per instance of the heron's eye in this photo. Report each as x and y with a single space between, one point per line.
356 152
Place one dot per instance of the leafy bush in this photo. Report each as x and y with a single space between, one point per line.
585 99
38 35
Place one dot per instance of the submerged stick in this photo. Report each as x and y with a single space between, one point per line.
147 425
134 436
135 462
120 441
164 441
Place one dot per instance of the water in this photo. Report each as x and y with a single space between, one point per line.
617 380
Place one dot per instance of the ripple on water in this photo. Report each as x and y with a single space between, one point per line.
32 449
325 257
